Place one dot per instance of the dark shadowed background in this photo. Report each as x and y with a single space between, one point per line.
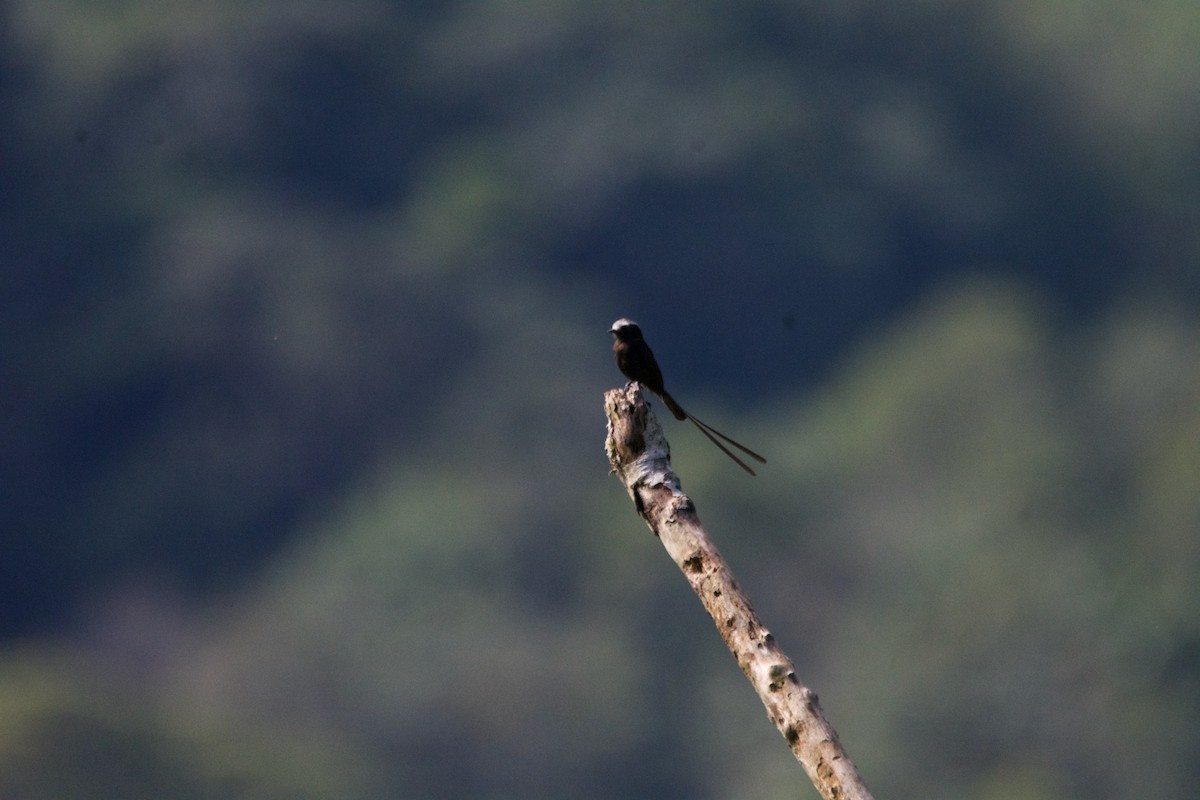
303 339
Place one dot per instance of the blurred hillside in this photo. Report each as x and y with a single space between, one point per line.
302 304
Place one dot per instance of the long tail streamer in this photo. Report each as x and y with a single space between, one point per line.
712 434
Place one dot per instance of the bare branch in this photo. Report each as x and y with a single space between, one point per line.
640 457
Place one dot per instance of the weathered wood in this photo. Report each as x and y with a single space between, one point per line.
641 458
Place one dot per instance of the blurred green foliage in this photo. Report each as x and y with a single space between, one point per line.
68 734
301 339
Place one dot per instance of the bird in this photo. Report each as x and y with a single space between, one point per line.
636 361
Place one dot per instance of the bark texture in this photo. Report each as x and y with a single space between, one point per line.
640 457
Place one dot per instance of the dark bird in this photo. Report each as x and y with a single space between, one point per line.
636 361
